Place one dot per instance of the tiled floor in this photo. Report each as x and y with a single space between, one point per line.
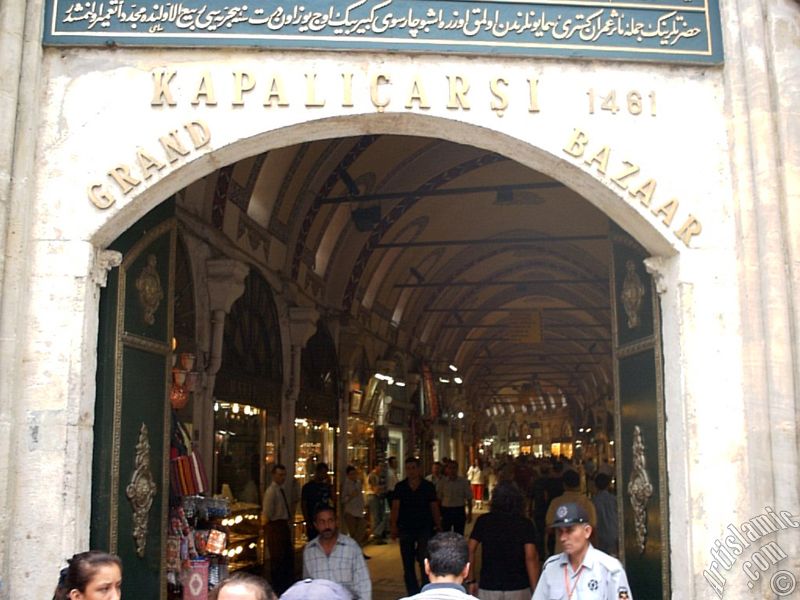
386 570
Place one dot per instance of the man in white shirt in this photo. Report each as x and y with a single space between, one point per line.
336 557
455 495
581 570
277 514
353 500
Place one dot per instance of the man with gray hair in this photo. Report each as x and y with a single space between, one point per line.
580 571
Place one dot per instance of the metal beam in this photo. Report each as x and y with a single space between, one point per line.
439 193
525 369
493 241
440 284
513 310
545 341
541 355
490 364
545 325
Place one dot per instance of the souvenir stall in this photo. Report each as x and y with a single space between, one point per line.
196 530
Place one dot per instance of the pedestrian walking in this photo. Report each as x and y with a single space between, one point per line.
414 517
571 493
353 501
316 492
477 481
605 504
455 496
335 556
376 504
243 586
277 515
446 567
507 539
91 575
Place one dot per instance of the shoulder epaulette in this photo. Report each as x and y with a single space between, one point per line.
552 559
609 562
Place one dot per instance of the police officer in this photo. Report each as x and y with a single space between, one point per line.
580 572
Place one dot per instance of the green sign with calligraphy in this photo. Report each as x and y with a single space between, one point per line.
683 31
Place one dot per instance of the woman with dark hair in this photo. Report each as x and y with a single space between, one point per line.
92 575
243 586
510 563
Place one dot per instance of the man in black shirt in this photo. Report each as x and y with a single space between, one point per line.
315 493
415 516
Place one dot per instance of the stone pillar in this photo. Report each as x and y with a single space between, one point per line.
302 325
761 76
225 285
20 66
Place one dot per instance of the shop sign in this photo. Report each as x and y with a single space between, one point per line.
672 31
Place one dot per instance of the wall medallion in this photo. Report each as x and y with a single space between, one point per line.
141 491
639 489
632 294
148 284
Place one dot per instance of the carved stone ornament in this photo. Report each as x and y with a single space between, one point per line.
141 491
150 291
657 267
632 294
639 489
104 261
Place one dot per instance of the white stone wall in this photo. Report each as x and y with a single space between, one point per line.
721 143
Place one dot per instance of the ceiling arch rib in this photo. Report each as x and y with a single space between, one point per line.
455 292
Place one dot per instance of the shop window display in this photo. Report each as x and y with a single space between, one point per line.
244 442
360 443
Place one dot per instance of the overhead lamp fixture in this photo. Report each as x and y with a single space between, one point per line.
400 383
460 415
387 378
443 380
458 380
454 368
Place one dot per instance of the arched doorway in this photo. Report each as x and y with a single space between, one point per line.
457 255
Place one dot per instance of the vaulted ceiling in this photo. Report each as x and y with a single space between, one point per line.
447 249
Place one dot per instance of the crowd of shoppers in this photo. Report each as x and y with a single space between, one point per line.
537 509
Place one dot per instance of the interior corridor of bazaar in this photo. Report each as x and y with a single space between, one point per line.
346 300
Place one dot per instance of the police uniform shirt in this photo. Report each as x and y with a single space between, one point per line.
600 577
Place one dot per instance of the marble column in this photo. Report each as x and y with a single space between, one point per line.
225 278
302 325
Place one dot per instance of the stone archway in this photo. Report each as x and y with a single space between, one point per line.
119 216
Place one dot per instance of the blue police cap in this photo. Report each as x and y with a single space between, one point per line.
568 514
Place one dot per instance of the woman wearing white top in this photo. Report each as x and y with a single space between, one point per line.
476 480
